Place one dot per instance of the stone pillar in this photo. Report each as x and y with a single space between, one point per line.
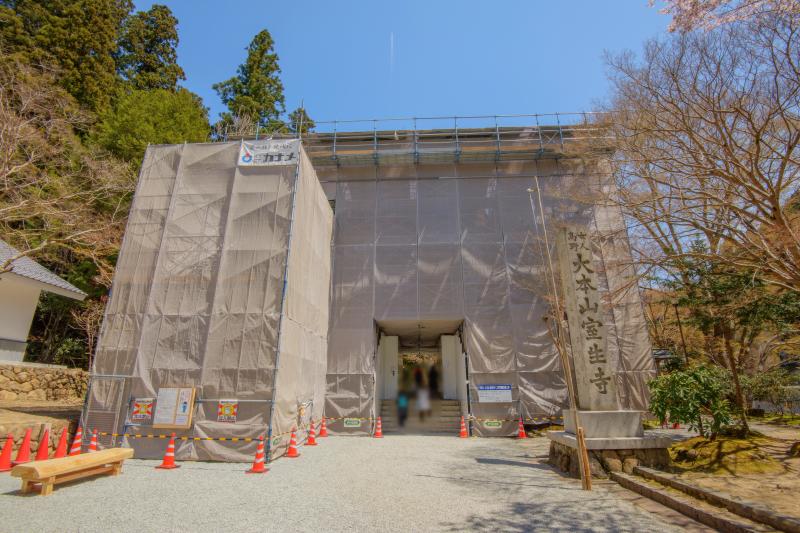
605 425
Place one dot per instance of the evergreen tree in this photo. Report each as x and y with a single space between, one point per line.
79 37
155 116
256 92
300 122
147 56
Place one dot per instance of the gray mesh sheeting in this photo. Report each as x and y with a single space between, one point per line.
465 241
198 291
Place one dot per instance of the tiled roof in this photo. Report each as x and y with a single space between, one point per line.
28 268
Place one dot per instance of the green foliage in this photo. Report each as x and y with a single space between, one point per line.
718 296
674 363
686 396
256 92
771 386
147 56
300 122
157 116
79 37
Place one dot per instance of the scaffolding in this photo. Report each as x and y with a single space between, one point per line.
392 141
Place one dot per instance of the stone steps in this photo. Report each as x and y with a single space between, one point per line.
445 417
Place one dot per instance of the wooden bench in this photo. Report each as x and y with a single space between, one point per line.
54 471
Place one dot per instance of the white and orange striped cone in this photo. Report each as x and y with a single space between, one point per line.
521 432
258 462
312 436
378 429
323 431
292 451
168 463
77 442
463 432
93 441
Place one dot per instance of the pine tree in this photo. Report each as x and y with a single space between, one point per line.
300 122
78 37
256 92
147 56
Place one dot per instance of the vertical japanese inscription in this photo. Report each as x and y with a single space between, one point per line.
594 376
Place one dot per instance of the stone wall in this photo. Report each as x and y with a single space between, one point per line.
37 424
30 381
601 462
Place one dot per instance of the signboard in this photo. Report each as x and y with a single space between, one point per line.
227 410
142 409
352 423
269 152
174 407
494 393
594 374
492 424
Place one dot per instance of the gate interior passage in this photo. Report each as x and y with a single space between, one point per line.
421 375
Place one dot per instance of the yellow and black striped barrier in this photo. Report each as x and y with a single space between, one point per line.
327 420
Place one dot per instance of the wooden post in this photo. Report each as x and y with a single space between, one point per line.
583 454
560 342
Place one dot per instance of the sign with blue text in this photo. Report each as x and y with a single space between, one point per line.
494 393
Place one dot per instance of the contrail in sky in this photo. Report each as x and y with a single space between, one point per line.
391 52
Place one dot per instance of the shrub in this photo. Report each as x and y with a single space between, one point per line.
686 396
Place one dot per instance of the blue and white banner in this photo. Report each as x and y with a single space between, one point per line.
269 152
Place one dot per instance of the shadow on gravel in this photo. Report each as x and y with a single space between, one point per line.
564 516
492 482
507 462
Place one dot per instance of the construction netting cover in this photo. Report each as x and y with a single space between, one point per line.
466 241
222 284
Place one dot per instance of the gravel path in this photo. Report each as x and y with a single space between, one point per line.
400 483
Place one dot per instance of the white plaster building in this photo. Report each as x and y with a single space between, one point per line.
19 295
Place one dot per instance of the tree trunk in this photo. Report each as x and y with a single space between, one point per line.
737 387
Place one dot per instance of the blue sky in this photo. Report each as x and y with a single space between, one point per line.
373 59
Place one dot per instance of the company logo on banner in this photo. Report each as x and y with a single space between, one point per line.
270 152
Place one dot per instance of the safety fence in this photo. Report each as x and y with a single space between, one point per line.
327 420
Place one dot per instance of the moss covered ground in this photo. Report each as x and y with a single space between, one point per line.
726 455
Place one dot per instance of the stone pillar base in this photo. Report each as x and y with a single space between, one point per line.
650 452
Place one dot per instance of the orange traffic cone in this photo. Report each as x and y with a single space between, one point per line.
521 432
378 429
44 446
258 462
5 456
61 449
93 441
169 456
323 431
77 442
312 436
292 451
463 433
24 452
676 425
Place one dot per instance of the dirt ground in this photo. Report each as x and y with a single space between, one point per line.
778 490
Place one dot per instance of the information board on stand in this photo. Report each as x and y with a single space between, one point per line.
174 408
